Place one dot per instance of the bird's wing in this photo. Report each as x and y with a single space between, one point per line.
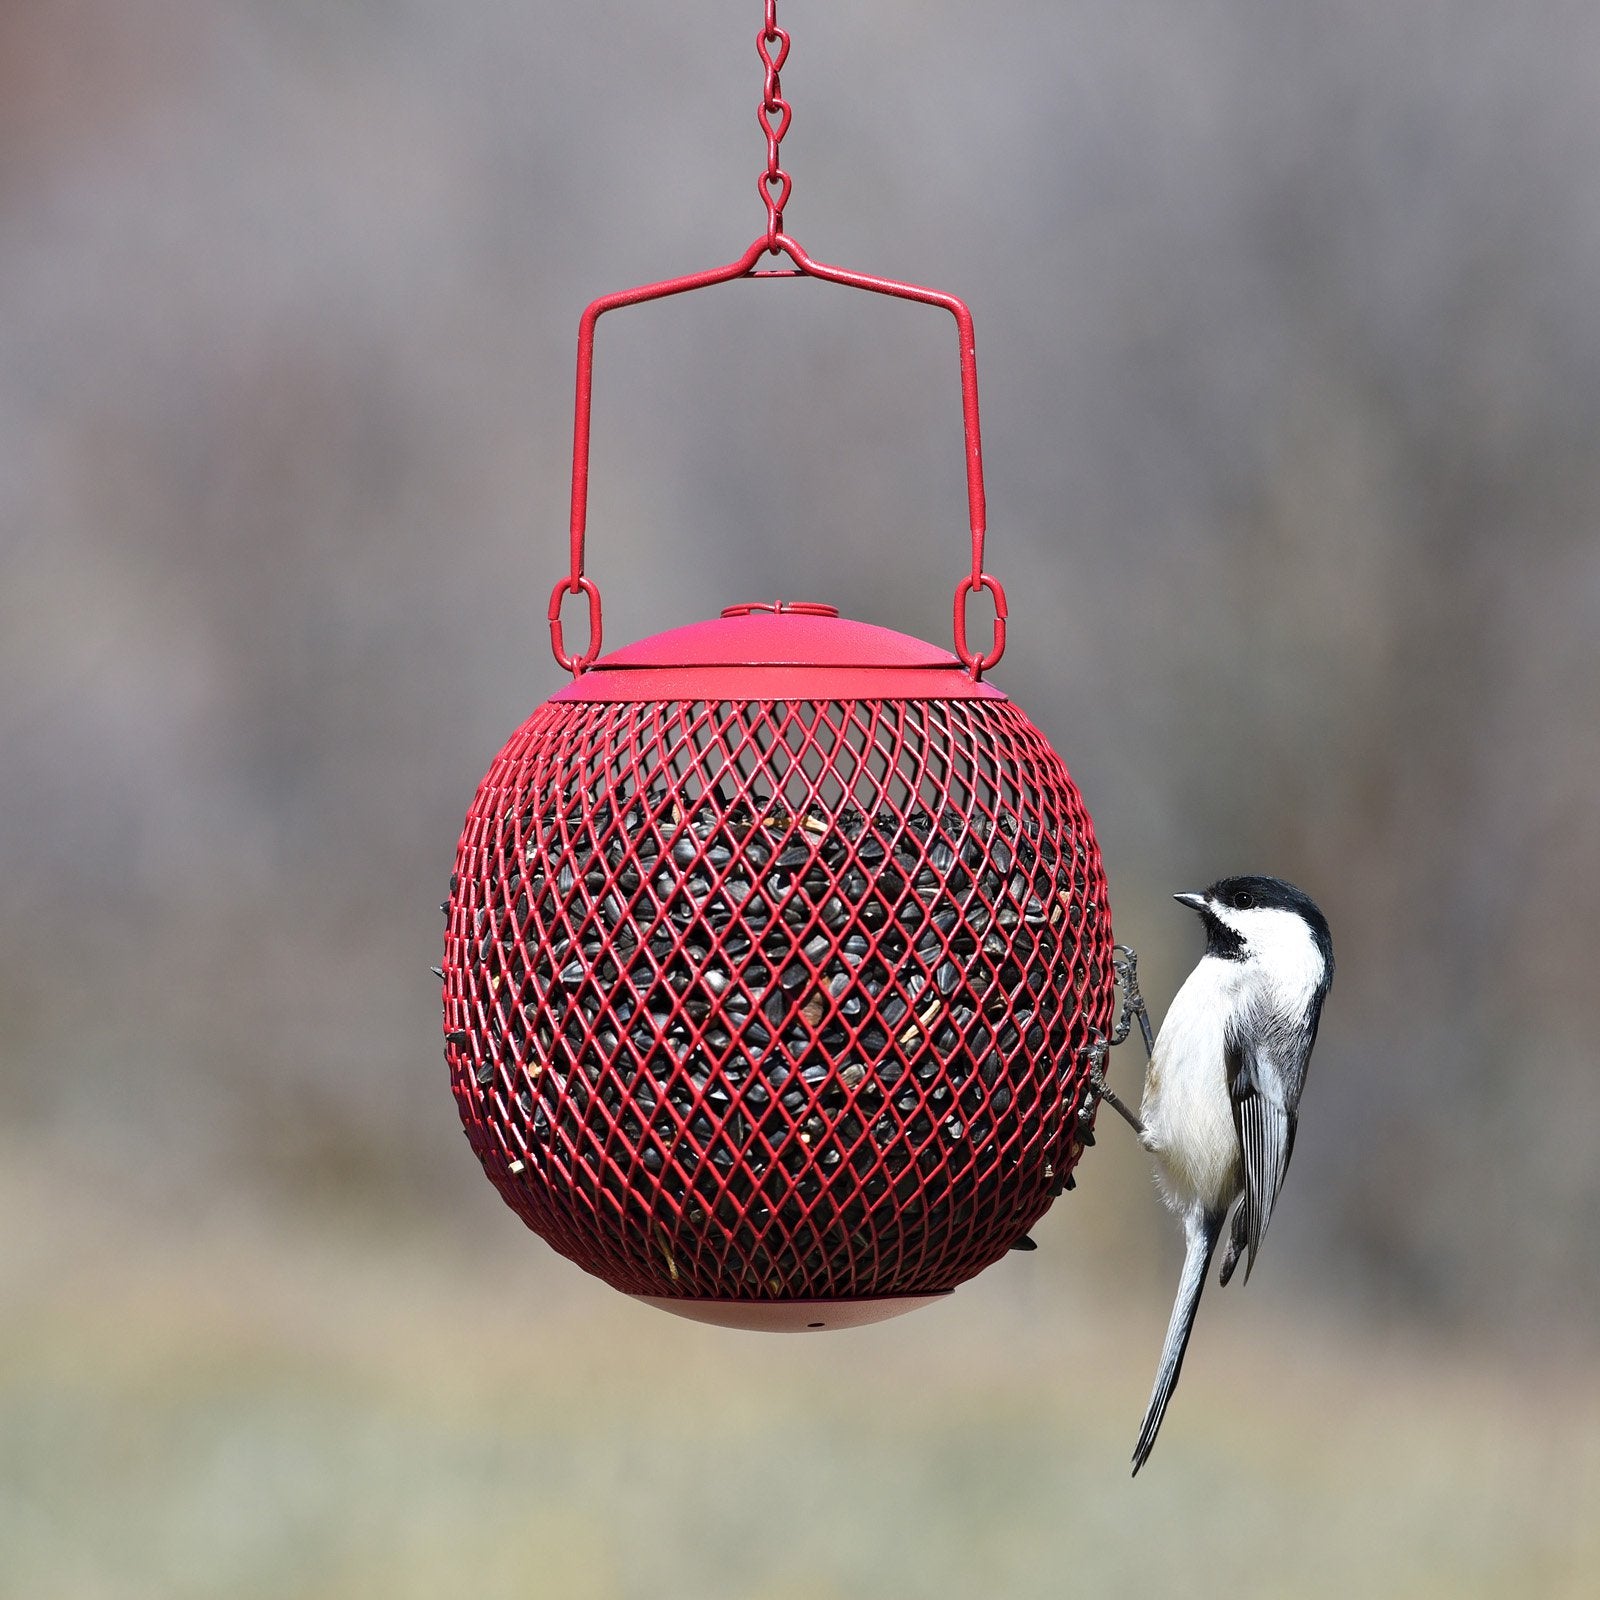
1236 1243
1263 1087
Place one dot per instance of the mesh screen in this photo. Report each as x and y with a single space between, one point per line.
776 1000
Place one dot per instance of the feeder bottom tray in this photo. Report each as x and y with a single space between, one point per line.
792 1316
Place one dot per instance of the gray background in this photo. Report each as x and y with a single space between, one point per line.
1289 344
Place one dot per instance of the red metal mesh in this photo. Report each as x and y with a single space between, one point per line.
776 1000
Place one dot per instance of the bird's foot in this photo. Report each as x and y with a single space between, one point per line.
1125 963
1101 1092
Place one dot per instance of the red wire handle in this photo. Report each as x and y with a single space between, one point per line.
576 582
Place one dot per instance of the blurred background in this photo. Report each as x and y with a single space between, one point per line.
1289 326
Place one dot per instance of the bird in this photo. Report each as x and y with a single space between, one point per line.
1222 1088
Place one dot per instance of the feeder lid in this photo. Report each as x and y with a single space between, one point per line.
779 650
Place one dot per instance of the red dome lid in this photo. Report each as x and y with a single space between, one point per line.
778 650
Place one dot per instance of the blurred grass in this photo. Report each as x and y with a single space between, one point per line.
246 1403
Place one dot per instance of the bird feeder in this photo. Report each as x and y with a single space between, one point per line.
778 944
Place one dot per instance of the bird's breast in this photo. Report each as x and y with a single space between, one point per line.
1187 1114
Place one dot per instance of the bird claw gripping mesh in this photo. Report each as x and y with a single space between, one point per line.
1125 963
777 1000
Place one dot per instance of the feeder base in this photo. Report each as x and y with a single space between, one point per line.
792 1316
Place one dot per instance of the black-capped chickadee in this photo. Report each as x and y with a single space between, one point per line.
1223 1085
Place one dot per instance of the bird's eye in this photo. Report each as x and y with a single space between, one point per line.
1242 900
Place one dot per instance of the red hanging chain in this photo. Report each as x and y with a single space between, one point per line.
772 44
774 115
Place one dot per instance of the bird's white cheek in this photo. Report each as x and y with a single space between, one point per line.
1284 955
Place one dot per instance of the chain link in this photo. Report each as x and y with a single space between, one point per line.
772 44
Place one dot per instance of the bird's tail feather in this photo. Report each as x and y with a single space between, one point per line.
1201 1234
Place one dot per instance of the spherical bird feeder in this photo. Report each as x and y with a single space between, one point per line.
778 944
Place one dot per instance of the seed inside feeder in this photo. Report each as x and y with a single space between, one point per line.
845 948
776 996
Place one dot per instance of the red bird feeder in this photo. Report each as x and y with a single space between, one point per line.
778 944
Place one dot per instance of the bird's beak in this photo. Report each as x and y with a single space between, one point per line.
1195 902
